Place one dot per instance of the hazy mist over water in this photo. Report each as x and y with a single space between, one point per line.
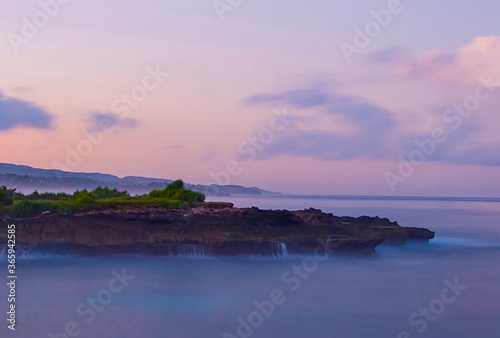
364 296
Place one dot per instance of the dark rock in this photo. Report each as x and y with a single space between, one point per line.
208 230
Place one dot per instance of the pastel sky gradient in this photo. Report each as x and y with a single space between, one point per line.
350 123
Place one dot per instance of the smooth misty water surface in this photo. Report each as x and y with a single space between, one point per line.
369 296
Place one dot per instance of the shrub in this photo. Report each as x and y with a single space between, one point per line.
23 209
27 208
61 196
176 185
49 196
78 193
189 196
63 208
103 193
18 197
53 196
85 200
161 193
34 196
6 196
176 191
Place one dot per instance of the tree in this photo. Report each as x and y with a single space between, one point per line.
176 191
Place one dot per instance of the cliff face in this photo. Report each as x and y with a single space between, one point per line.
207 230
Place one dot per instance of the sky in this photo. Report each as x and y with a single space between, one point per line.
361 97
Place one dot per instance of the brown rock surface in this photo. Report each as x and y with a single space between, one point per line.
208 229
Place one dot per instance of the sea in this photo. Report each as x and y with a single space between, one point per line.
449 287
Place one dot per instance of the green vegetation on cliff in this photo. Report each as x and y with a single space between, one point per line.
174 196
6 196
176 191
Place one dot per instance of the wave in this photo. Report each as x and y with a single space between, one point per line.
192 251
464 242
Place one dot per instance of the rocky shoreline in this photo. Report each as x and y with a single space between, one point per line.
207 229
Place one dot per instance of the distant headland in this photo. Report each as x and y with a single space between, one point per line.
28 179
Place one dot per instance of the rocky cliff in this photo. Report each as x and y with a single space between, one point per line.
216 230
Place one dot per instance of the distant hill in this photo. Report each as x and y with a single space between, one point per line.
6 168
28 179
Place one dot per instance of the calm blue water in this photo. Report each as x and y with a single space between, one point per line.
200 297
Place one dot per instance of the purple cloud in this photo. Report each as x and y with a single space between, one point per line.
16 113
372 133
115 120
371 123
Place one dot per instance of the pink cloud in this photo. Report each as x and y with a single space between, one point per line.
461 69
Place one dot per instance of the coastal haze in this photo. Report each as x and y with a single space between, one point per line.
26 179
250 169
